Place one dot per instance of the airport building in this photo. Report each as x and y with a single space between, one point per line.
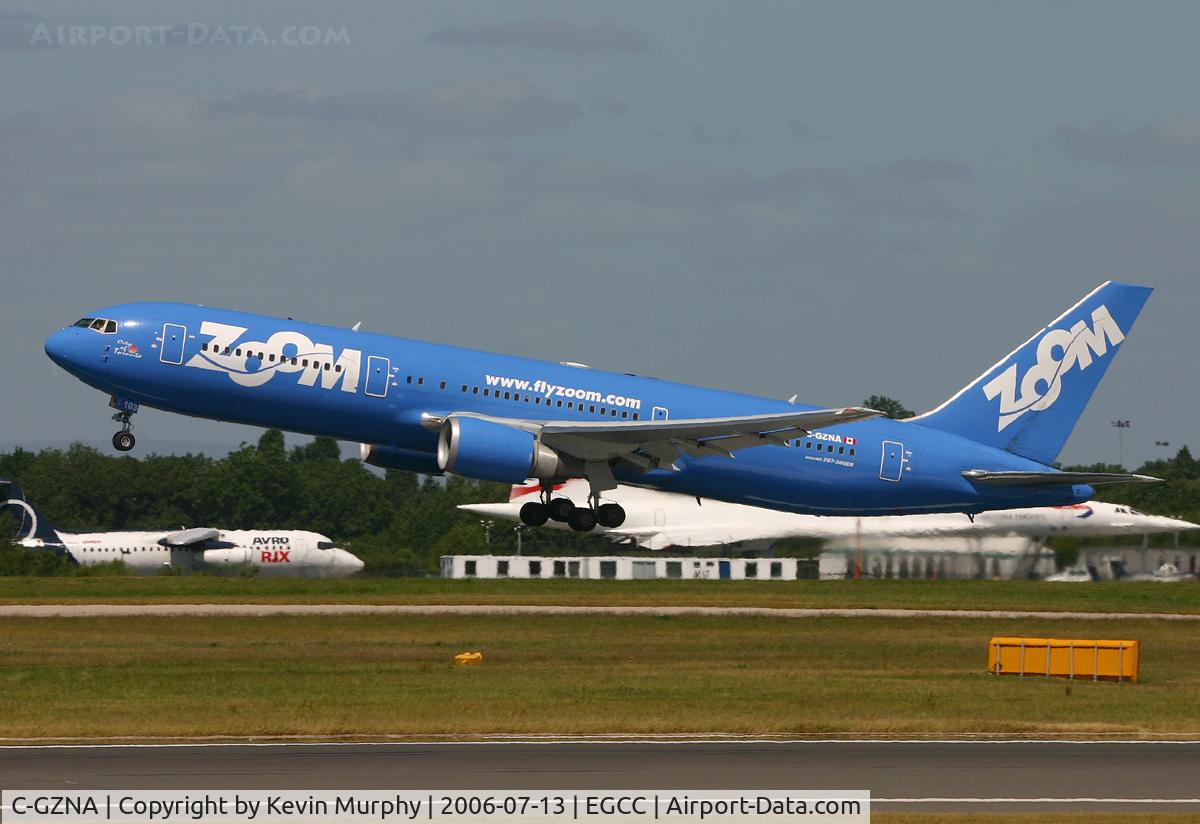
1103 563
626 568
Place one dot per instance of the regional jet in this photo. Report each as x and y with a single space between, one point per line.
433 408
663 520
270 553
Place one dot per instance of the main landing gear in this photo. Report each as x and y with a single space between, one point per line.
563 510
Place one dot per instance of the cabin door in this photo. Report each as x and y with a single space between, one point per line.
891 466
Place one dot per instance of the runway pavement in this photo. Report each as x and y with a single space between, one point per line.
253 610
1152 776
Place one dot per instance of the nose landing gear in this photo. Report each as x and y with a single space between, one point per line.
123 441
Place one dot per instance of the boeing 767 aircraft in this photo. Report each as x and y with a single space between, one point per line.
433 408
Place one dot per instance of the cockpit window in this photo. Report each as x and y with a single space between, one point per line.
325 545
1133 511
101 325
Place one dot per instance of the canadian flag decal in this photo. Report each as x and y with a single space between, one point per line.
851 441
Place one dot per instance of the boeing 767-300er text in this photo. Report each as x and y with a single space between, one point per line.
432 408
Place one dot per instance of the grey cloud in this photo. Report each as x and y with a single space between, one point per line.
606 106
548 34
802 132
704 134
19 32
1132 238
1165 142
480 110
918 169
869 191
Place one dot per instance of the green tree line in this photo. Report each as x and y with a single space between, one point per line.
398 523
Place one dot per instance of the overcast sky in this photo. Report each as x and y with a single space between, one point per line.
833 199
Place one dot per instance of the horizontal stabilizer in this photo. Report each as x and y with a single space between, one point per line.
983 476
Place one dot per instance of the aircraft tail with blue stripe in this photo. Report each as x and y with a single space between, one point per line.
1028 403
30 525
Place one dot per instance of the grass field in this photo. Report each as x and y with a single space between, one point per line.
1032 595
377 675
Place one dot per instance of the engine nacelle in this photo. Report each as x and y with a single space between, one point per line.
227 556
393 457
494 452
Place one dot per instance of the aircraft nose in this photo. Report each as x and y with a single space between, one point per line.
1174 524
58 347
347 562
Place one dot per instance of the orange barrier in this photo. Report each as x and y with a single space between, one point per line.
1094 660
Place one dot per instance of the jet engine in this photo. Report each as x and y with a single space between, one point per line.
393 457
494 452
225 556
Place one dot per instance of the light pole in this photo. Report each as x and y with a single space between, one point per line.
1120 426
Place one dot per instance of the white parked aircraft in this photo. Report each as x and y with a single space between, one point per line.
273 553
658 520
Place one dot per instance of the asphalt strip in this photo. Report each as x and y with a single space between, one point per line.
252 610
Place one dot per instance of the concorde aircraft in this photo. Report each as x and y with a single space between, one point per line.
433 408
272 553
662 520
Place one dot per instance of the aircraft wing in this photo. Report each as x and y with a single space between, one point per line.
665 441
189 537
983 476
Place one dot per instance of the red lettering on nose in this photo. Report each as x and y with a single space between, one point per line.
283 555
266 556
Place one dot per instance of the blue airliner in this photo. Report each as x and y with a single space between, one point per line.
431 408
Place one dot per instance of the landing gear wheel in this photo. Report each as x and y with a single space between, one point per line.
610 516
582 520
534 513
123 441
561 509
